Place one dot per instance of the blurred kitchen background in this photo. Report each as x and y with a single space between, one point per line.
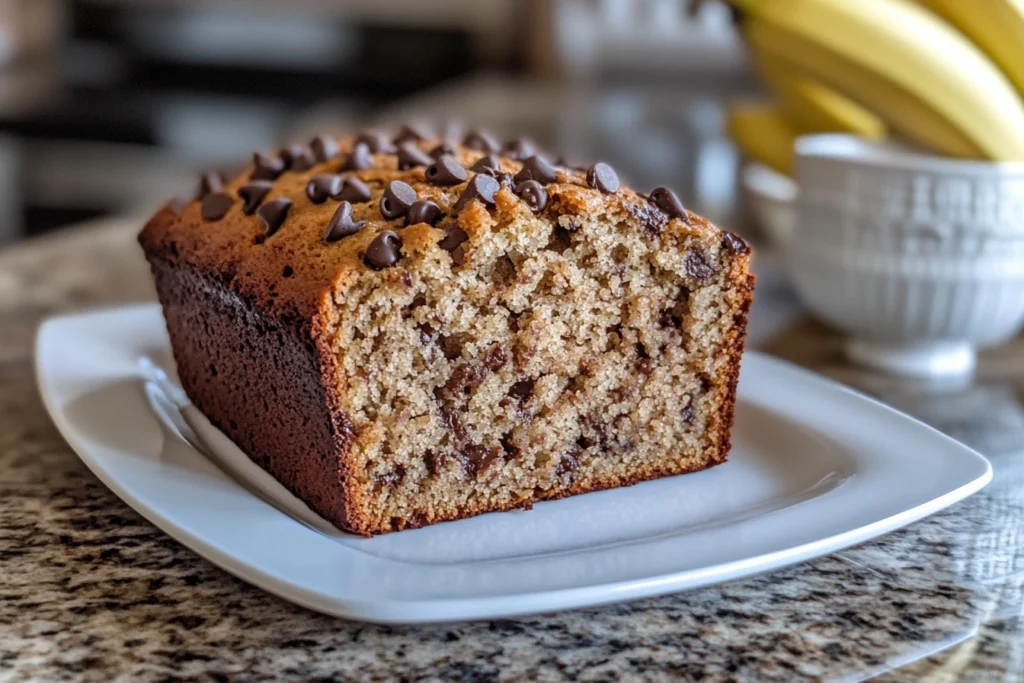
108 106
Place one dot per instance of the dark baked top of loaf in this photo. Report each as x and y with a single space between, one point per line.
312 219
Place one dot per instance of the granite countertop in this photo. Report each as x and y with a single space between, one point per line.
91 591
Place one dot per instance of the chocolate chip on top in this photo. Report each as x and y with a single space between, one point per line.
273 214
378 141
452 239
412 132
536 168
266 166
209 182
423 211
446 171
397 199
353 190
442 149
177 204
359 158
482 141
342 224
733 243
409 156
324 148
215 205
323 186
298 158
666 200
481 187
384 251
602 177
533 193
489 163
252 195
519 149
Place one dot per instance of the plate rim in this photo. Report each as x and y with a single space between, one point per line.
446 610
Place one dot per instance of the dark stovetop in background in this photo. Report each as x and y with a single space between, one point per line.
138 95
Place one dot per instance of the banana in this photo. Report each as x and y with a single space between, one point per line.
897 59
763 134
995 26
814 108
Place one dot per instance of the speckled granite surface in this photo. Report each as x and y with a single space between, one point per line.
90 591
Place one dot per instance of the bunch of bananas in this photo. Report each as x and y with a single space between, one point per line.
947 75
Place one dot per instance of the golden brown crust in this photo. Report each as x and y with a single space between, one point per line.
267 311
734 351
235 248
257 379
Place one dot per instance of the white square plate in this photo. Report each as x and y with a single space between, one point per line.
814 468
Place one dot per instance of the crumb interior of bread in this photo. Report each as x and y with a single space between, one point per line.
562 353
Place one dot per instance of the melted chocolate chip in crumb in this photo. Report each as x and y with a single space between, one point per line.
410 156
453 239
358 159
273 214
324 148
481 187
698 267
252 195
602 177
446 171
266 167
481 141
653 219
495 358
354 190
687 412
342 224
533 194
666 200
396 200
423 211
324 186
435 462
384 251
391 479
734 244
215 205
522 390
476 458
378 141
568 463
536 168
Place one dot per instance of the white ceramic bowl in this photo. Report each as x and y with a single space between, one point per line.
919 258
772 198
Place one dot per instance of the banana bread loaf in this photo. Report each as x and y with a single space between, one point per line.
404 330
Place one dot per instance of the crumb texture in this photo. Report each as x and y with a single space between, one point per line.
493 339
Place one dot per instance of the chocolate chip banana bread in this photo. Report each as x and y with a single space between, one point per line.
405 330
